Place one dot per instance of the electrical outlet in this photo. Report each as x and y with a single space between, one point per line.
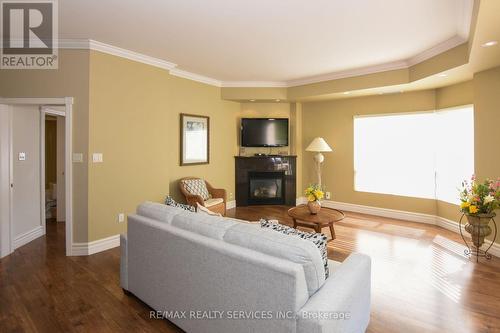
328 195
230 195
121 218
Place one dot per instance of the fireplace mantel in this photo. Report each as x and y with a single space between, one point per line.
245 166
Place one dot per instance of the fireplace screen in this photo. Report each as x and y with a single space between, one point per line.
266 187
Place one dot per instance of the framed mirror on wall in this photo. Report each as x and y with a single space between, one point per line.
195 139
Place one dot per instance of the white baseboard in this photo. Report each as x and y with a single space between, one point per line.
300 201
384 212
85 249
231 204
402 215
28 236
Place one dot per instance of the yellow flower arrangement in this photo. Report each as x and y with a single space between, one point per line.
314 192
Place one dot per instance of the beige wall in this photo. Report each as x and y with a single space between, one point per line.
333 120
70 80
134 122
486 125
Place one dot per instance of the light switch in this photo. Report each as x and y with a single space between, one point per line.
77 157
22 156
97 157
121 218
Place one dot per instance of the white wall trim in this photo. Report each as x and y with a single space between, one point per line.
254 84
401 215
194 77
231 204
300 201
85 249
391 213
28 236
173 68
438 49
390 66
131 55
37 100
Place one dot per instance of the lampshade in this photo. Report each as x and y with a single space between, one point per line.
318 145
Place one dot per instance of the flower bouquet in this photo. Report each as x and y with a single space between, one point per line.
314 193
479 200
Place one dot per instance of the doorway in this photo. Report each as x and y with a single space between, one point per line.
53 128
35 170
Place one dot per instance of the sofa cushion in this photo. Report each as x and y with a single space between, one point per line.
159 212
305 253
210 226
171 202
317 239
196 187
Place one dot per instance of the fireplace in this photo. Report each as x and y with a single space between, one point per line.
266 188
265 180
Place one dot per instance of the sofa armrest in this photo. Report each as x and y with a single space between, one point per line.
342 304
123 262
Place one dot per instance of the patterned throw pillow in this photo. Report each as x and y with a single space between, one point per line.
196 187
171 202
320 240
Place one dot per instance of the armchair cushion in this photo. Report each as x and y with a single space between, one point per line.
213 202
196 187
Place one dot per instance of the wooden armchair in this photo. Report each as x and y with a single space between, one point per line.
217 202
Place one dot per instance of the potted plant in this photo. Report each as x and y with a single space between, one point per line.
314 193
479 200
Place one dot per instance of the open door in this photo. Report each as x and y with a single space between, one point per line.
5 181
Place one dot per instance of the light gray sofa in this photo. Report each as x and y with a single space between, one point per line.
214 274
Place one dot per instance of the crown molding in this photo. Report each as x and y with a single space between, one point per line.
174 70
254 84
349 73
195 77
131 55
437 49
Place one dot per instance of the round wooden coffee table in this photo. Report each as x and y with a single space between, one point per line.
302 217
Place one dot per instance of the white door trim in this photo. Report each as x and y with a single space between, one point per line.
42 170
67 102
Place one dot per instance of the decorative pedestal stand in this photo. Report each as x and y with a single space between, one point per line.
478 227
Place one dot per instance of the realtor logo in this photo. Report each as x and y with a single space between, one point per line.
29 35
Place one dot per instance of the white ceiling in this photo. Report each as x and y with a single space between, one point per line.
287 41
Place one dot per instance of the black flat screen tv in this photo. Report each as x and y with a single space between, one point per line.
264 132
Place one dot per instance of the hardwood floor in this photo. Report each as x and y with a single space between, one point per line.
420 281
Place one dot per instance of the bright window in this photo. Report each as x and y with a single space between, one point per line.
423 155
